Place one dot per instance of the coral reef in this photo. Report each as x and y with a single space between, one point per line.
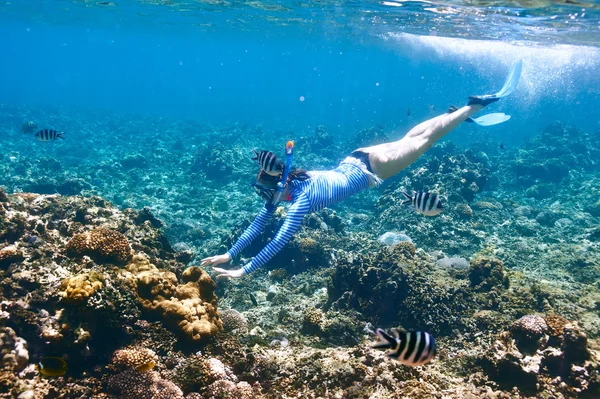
101 245
132 384
81 287
506 278
13 350
486 274
138 358
233 321
526 360
82 306
190 307
396 286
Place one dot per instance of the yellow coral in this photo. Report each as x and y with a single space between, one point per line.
101 245
280 212
139 263
79 288
190 307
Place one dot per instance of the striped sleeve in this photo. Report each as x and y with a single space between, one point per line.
299 208
257 226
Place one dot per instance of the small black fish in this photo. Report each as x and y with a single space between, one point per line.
49 135
28 127
501 146
268 162
253 299
407 111
427 204
414 348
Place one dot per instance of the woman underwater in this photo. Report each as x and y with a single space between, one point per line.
366 167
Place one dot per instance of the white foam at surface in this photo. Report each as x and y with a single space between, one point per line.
547 70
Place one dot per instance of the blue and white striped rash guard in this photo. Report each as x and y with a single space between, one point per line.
322 189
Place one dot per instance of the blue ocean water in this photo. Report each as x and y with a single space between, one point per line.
162 102
347 65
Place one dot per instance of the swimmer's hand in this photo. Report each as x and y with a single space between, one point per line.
215 260
222 273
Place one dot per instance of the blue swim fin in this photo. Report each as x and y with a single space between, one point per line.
490 119
485 120
509 86
511 80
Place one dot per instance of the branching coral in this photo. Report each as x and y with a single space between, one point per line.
191 374
102 245
229 389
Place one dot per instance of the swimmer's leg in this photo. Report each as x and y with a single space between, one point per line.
390 158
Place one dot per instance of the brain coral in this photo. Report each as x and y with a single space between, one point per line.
190 308
102 245
527 332
135 358
234 321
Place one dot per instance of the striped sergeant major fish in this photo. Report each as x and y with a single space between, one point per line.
28 127
427 204
49 135
268 162
414 348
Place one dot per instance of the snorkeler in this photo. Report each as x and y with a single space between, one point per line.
365 167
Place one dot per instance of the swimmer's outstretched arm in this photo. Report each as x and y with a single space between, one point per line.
257 226
293 219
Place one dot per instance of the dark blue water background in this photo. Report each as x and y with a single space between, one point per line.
348 79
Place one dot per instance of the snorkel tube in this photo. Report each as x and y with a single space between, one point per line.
289 153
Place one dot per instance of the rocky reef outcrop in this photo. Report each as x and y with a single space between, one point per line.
534 357
79 276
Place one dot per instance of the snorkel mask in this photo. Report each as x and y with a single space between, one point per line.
274 195
264 192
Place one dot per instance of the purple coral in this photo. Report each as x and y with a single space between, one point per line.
527 332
